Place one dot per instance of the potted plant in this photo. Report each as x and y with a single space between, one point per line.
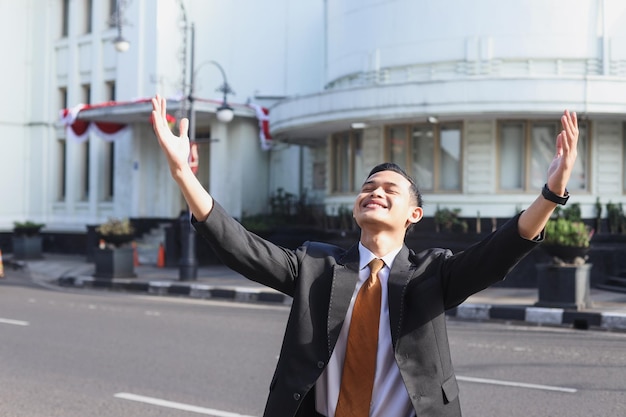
116 232
27 240
566 240
565 281
114 258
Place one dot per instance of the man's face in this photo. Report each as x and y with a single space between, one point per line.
385 203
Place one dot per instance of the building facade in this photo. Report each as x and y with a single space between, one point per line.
467 99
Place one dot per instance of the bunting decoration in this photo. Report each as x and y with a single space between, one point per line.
78 130
262 114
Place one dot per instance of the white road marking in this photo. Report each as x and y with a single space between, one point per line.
177 406
213 302
516 384
14 322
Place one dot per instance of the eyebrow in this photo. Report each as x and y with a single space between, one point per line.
388 184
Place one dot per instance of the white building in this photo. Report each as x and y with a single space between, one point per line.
465 95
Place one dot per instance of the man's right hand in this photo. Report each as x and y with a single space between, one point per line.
175 148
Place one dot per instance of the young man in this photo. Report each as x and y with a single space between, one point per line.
409 370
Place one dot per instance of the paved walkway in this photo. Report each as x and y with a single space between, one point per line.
608 309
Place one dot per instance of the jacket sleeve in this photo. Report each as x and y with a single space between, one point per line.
250 255
484 263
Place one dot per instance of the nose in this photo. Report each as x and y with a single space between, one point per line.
378 191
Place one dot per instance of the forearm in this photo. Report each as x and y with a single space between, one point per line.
198 199
533 220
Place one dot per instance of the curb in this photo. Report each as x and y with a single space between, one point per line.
193 290
540 315
581 320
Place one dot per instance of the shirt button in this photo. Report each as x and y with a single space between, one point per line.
296 396
320 364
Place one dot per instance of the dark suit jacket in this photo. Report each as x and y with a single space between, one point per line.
321 279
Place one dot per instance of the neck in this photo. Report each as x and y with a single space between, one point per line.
381 243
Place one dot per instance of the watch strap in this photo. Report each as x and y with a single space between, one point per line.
550 196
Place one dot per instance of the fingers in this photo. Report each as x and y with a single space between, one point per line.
569 138
183 127
560 139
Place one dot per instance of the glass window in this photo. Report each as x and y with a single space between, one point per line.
112 13
348 167
422 151
65 18
543 139
84 179
512 148
360 170
450 158
578 180
62 169
541 142
109 171
398 145
88 13
110 90
432 156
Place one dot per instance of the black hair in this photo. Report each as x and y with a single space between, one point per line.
390 166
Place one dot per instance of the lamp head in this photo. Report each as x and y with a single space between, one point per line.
225 113
121 44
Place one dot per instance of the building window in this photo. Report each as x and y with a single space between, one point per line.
61 153
112 12
84 178
88 15
448 158
109 171
347 162
108 174
431 154
525 151
62 98
65 18
512 150
62 170
110 90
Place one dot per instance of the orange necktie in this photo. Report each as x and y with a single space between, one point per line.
359 367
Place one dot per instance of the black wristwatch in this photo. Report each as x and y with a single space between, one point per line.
550 196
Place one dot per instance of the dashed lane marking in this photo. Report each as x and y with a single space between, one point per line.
14 322
516 384
177 406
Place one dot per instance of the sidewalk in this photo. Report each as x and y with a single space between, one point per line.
608 310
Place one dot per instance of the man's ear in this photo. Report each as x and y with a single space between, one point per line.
416 214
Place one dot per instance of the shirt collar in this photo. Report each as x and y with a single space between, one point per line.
366 256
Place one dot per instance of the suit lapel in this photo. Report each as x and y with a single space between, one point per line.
399 277
345 277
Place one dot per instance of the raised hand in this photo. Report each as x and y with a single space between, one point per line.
175 148
562 165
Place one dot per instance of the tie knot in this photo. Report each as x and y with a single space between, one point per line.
376 265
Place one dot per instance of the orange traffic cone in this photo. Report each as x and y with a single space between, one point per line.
1 266
135 254
161 257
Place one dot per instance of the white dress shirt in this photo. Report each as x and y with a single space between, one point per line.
389 396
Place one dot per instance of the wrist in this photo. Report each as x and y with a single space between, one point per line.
553 197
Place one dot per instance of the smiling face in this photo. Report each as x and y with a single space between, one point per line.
385 202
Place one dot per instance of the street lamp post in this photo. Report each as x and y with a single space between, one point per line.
188 264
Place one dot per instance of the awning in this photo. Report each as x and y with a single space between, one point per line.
109 119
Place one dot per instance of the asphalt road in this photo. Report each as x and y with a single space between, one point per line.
82 353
